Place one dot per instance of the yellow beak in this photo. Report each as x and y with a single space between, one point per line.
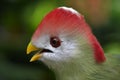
31 48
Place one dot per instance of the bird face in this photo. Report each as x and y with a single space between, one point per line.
58 48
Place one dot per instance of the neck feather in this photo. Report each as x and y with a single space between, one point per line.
75 69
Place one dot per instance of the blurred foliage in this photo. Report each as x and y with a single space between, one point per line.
19 19
34 13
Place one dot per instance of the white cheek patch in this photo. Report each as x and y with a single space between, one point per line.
68 47
64 52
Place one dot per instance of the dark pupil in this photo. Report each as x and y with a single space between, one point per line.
55 42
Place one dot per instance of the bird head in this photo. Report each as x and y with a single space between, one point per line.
63 35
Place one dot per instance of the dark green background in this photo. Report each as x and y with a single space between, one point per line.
18 21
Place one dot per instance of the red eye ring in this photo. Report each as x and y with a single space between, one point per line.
55 42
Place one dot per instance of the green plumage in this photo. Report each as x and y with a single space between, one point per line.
109 70
86 69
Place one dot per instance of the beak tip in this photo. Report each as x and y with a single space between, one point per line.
27 52
30 61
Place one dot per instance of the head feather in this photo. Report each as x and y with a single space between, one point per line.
66 20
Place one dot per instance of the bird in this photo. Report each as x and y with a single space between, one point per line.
66 44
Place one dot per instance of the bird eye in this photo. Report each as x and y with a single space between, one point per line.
55 42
